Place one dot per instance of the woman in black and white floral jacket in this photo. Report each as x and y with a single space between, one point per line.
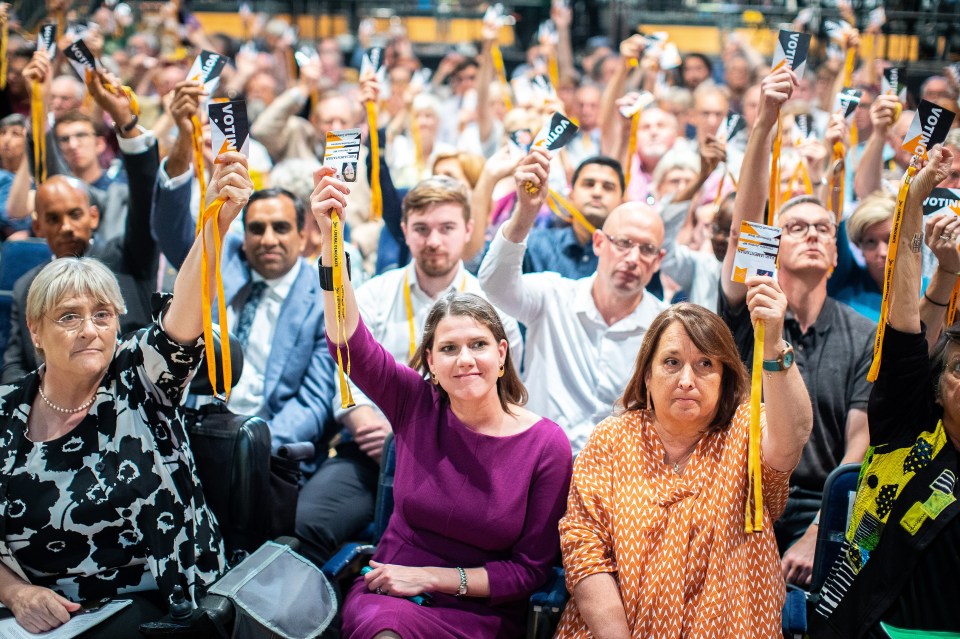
99 495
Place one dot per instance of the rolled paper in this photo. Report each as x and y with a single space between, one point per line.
888 269
212 214
376 197
343 370
754 467
38 120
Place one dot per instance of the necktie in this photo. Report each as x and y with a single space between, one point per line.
249 311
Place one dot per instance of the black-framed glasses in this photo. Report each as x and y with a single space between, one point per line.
624 245
798 228
72 322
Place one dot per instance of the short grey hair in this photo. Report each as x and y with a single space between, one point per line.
953 139
69 276
675 158
295 175
801 199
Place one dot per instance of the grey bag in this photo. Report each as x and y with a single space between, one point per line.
278 595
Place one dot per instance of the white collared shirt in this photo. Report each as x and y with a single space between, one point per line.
247 396
577 366
384 311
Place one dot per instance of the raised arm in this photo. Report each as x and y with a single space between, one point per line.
905 286
752 193
500 165
940 235
230 182
270 127
869 174
610 131
789 411
485 76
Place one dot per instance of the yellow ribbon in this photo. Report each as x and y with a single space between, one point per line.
497 56
632 146
4 34
839 153
346 395
848 64
376 197
754 468
408 303
800 175
212 213
553 68
198 162
775 173
556 201
854 134
39 122
952 306
888 269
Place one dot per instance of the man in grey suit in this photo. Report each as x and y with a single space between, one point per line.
273 297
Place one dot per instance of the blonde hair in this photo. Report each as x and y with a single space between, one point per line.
873 209
470 163
67 277
436 190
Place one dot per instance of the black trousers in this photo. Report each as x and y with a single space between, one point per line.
336 503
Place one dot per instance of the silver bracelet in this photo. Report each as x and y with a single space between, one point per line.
462 590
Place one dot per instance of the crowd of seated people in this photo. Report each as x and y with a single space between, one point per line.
553 339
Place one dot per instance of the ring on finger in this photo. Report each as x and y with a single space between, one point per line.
379 590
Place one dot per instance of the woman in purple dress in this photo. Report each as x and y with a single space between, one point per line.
481 482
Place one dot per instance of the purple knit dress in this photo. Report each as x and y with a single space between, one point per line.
461 499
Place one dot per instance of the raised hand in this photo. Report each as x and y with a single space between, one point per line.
230 182
775 90
329 195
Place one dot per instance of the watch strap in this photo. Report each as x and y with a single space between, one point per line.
326 273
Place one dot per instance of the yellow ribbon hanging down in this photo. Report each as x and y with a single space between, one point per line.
631 147
346 395
553 68
719 196
408 303
198 162
38 120
497 56
417 143
837 179
212 214
754 468
952 306
848 63
4 34
774 202
888 268
555 202
376 197
800 175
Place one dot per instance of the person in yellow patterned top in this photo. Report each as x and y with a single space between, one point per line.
653 539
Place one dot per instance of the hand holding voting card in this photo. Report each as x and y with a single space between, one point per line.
792 50
342 152
757 249
929 128
229 128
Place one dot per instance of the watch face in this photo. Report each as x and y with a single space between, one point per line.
788 359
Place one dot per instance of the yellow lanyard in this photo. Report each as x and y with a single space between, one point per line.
556 201
754 468
497 56
212 213
197 139
39 122
888 269
408 301
773 205
4 34
632 147
376 197
339 295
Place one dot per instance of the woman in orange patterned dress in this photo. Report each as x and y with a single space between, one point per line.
653 539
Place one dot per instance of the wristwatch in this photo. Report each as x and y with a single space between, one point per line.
783 361
326 273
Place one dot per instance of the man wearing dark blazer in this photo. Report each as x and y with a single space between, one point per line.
67 220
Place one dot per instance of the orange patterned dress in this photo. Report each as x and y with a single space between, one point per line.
675 543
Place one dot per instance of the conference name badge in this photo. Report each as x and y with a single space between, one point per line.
757 249
342 153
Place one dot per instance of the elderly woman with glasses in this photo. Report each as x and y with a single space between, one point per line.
653 540
98 491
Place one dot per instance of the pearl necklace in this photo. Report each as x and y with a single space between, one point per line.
66 411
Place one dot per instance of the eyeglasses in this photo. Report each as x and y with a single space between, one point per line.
796 228
71 322
82 135
624 246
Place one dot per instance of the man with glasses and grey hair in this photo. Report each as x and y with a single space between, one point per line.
829 342
582 335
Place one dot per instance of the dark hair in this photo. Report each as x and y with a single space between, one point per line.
462 65
77 116
510 389
274 192
602 160
938 356
700 56
712 337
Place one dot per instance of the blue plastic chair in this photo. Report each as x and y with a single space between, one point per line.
838 493
16 258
